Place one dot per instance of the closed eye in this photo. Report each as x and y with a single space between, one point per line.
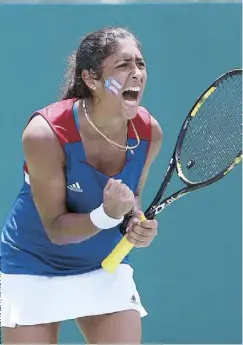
141 64
123 65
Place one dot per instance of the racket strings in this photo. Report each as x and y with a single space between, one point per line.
213 137
219 140
231 132
218 144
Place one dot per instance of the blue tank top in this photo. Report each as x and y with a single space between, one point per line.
25 246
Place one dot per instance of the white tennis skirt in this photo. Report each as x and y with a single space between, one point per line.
31 300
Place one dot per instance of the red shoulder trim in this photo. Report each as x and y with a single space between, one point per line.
142 123
60 117
25 167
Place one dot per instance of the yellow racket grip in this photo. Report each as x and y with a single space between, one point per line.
112 261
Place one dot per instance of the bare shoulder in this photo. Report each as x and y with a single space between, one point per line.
156 139
156 130
38 138
157 133
154 149
37 131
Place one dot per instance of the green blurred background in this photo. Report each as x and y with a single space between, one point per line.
190 277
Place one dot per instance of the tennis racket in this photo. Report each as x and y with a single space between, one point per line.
208 147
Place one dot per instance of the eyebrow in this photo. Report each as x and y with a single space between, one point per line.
129 59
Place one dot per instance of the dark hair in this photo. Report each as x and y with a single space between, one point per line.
92 51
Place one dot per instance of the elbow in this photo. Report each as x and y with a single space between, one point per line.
59 237
61 231
60 240
54 234
54 237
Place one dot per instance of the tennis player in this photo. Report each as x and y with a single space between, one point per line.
87 158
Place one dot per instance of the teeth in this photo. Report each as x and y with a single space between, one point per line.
134 88
130 102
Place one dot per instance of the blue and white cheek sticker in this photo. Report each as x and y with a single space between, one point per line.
112 85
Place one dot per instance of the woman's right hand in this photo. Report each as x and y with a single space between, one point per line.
118 199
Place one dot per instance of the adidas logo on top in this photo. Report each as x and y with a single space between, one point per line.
75 187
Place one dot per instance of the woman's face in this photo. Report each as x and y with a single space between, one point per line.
123 80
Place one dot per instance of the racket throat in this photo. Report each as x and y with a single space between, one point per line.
160 207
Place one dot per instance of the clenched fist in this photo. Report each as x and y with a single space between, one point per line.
118 199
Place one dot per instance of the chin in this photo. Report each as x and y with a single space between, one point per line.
129 112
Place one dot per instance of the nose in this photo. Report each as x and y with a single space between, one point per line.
137 73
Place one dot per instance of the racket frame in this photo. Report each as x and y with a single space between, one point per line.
156 206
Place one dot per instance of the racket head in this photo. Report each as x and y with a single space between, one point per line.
209 145
177 163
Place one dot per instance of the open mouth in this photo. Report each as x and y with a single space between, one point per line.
130 95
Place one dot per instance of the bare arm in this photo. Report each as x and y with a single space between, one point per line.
46 162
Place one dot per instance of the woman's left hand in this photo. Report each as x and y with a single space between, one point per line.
141 234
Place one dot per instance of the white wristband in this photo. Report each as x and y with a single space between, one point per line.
101 220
